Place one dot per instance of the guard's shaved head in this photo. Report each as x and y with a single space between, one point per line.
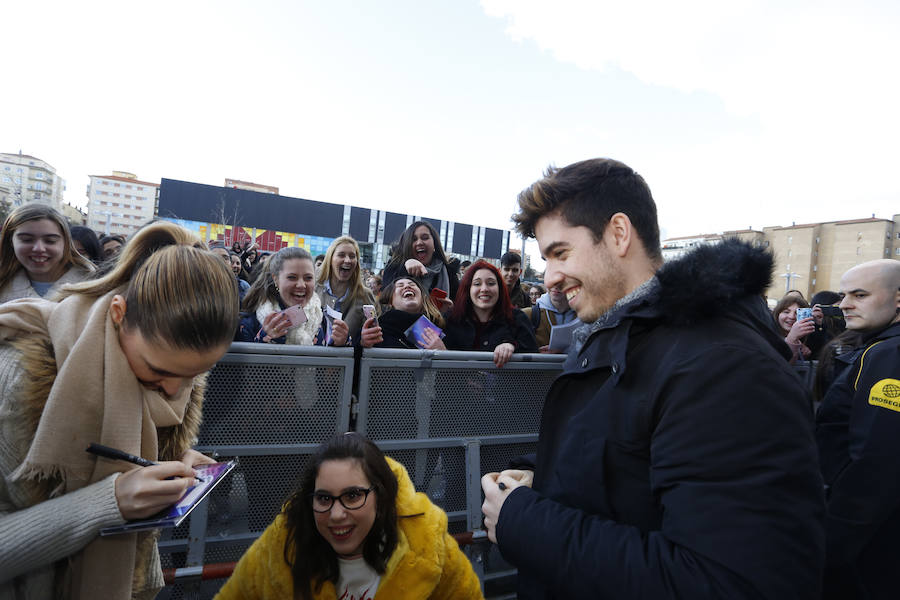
871 295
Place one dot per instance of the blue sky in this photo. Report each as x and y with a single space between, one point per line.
737 114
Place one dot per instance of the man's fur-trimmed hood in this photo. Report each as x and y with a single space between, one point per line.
709 280
727 280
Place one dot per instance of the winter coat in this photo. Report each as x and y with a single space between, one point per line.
676 455
518 297
351 308
20 286
40 531
461 334
550 316
394 324
856 429
427 562
395 270
250 329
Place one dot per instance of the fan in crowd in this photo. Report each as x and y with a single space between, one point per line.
36 253
355 528
484 319
249 260
120 360
794 331
234 260
536 291
86 242
511 268
408 301
418 253
339 284
112 245
551 309
287 281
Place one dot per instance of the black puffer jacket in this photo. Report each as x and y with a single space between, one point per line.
461 334
676 455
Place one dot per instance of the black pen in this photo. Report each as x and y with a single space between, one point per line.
115 454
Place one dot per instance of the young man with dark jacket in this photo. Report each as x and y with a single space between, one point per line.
676 456
511 269
857 431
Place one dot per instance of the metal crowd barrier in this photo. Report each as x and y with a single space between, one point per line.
447 416
268 406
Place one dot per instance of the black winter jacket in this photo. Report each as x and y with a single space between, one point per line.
676 456
859 447
461 334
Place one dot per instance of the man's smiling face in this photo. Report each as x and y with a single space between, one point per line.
586 271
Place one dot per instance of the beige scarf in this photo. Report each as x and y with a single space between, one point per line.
305 333
94 398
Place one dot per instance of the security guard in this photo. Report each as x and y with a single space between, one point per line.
858 433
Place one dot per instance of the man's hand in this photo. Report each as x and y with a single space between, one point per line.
494 497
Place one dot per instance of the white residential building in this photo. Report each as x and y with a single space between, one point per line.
120 203
25 178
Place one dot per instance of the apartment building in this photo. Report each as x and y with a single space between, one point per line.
120 203
25 178
810 257
237 184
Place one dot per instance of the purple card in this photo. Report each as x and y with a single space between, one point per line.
416 331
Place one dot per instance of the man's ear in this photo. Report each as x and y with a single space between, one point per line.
620 234
117 309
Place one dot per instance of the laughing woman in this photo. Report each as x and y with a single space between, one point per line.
355 528
419 254
484 319
36 253
340 285
287 280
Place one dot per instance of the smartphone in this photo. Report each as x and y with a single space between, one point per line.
438 296
369 312
296 316
804 313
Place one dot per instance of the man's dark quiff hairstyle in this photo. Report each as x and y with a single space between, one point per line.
589 193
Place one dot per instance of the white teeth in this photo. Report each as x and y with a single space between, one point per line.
572 293
341 531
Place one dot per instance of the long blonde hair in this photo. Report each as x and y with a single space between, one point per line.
357 288
176 291
9 264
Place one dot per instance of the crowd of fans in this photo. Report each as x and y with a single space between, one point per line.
474 307
421 299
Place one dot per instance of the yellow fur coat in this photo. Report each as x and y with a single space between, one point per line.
427 562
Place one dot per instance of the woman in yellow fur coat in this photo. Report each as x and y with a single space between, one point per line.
355 530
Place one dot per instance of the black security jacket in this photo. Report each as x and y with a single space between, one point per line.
676 456
858 431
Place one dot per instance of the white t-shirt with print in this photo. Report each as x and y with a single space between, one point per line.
356 580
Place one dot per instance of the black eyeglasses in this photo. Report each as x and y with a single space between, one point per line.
351 499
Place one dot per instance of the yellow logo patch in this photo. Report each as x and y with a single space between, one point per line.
886 394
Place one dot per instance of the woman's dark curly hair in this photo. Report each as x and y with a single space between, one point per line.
310 557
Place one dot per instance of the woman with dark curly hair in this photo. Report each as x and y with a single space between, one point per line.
355 528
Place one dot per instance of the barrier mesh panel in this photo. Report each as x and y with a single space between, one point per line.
439 472
410 403
250 497
495 458
271 404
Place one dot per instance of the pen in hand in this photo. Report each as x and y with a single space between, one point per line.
116 454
